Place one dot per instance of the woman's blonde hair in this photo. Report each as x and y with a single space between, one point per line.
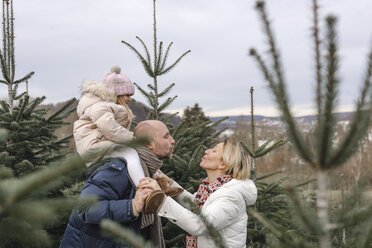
120 100
236 159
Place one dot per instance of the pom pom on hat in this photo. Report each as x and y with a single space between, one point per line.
119 82
116 69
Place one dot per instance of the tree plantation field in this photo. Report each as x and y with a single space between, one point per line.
313 178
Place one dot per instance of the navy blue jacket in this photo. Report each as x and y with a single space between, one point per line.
110 183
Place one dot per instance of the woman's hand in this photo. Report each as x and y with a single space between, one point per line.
149 183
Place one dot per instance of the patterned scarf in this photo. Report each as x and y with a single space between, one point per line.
204 191
150 165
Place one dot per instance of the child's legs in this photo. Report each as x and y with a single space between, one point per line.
133 163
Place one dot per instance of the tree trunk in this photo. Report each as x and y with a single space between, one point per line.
322 204
10 95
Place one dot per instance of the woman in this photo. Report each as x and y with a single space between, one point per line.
222 198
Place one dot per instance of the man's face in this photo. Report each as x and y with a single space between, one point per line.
162 144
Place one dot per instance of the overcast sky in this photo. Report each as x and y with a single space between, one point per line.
67 42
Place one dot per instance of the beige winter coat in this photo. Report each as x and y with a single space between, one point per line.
102 123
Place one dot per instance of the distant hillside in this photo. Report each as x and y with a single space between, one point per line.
231 121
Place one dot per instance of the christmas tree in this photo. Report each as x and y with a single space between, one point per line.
193 116
191 141
321 153
31 143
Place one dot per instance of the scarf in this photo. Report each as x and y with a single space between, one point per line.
150 165
204 191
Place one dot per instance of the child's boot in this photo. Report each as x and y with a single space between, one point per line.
154 201
169 191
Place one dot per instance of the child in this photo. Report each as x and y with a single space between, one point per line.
105 120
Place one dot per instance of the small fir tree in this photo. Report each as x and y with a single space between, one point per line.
7 55
321 152
155 68
31 143
191 141
26 207
193 116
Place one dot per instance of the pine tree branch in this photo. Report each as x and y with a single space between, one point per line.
165 57
268 175
32 183
31 107
4 68
327 123
167 90
124 234
360 122
146 66
166 120
142 91
147 52
160 55
61 110
268 224
279 92
177 130
27 77
3 54
246 149
12 53
308 220
260 6
8 50
21 110
4 106
166 104
19 96
274 146
151 87
174 64
318 64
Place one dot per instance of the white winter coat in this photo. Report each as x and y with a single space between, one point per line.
102 122
225 209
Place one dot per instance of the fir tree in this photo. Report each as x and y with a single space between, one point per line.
193 116
7 55
31 143
320 153
25 207
191 141
271 201
155 68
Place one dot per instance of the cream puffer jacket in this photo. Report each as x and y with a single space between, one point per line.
102 122
225 209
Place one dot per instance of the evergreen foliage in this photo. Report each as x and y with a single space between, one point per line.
123 235
321 153
31 143
7 54
25 207
193 116
271 200
156 67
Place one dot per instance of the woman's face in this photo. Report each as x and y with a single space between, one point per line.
212 159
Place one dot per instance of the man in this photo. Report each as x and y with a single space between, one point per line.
117 197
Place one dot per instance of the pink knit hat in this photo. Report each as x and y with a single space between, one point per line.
118 81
